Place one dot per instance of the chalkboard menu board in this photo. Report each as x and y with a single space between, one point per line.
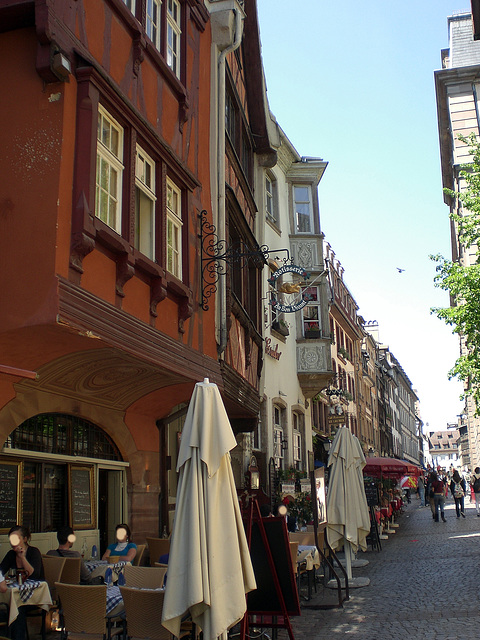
265 598
82 497
371 493
10 494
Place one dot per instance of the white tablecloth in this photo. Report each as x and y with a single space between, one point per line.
40 597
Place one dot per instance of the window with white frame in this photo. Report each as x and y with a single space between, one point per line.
311 313
174 33
298 429
153 13
174 229
109 170
270 198
130 5
302 206
278 436
297 449
145 204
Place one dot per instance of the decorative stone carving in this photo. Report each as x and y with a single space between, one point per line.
311 358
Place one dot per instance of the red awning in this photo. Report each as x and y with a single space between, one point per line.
389 468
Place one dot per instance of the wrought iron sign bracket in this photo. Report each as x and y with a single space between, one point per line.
217 257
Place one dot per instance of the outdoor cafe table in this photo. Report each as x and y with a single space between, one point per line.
31 592
308 554
114 600
98 567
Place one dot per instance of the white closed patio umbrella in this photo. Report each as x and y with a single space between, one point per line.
209 566
347 510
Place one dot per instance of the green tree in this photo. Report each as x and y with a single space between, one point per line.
463 281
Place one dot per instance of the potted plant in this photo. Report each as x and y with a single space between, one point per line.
311 330
281 327
344 353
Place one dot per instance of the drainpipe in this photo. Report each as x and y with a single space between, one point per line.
221 211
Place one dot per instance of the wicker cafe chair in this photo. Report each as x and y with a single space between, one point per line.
53 567
137 561
146 577
71 571
143 610
157 547
84 611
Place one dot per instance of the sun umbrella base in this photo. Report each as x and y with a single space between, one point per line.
353 583
356 564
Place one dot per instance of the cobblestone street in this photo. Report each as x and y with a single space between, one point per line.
423 584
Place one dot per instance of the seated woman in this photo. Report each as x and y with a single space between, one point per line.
123 547
27 559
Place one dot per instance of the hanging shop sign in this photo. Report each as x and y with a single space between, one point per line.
273 352
292 289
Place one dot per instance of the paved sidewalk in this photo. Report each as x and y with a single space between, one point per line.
424 584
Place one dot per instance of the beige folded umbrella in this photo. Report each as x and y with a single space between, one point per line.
347 510
209 566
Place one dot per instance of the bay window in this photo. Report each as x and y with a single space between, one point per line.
311 313
302 206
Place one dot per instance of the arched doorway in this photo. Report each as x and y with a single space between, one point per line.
69 471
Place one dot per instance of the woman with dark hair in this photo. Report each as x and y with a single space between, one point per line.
22 557
458 488
123 547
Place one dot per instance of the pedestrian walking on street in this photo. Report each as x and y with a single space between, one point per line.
438 487
475 482
421 491
458 488
429 493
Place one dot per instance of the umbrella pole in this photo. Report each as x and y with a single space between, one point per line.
348 557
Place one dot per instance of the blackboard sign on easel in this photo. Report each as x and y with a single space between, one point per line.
265 598
371 493
276 596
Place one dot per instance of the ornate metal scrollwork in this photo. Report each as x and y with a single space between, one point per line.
217 256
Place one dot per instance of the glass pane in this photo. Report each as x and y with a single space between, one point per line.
103 174
303 217
301 194
31 493
105 133
54 512
115 142
311 293
310 313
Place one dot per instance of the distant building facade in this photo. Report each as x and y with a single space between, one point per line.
457 90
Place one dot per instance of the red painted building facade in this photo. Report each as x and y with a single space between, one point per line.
105 169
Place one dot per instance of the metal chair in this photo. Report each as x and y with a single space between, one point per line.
157 547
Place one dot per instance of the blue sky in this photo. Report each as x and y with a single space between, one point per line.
353 83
